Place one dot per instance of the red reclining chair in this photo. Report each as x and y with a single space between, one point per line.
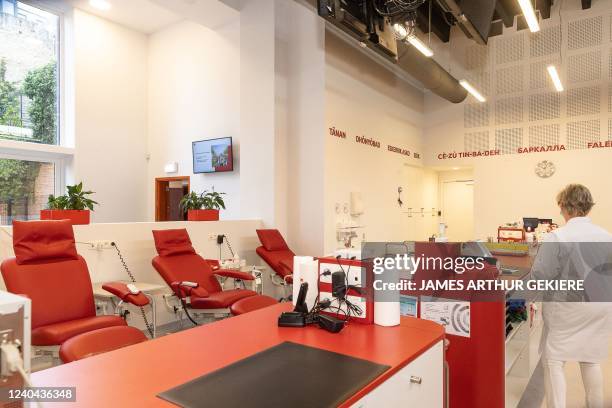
275 252
47 269
194 281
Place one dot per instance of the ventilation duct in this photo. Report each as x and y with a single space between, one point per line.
429 73
375 35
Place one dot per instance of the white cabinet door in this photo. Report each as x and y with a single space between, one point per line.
419 384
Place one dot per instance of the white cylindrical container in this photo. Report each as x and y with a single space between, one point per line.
386 302
387 313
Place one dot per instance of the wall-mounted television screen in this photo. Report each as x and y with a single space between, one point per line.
213 156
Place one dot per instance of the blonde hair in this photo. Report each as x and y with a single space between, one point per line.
576 200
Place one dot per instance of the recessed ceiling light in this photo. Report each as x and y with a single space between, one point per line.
468 87
420 45
400 31
530 15
554 76
100 4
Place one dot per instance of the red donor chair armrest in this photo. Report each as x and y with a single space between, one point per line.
121 290
183 290
214 264
230 273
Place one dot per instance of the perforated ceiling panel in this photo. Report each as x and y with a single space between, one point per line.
545 42
538 76
523 109
509 110
476 115
477 57
476 141
481 80
544 135
580 133
510 49
509 80
583 101
584 67
587 32
507 141
544 106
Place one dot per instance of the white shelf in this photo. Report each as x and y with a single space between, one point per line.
521 345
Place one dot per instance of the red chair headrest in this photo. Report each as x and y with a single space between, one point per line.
35 241
272 240
173 242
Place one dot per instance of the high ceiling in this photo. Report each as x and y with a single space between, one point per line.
149 16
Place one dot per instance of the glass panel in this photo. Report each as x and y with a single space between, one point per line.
25 187
29 39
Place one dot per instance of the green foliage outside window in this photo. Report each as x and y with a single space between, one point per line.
17 177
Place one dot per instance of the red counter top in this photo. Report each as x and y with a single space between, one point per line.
133 376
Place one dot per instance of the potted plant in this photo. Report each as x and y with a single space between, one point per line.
74 206
203 207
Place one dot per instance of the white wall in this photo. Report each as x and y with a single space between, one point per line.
257 111
506 187
110 64
194 94
363 99
300 123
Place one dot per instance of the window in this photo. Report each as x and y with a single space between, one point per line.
24 188
29 51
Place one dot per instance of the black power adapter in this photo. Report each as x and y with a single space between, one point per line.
339 285
331 324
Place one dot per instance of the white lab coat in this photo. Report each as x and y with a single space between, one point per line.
573 331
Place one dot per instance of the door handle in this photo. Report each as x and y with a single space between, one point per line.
415 380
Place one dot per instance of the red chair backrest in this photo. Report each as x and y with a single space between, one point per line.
47 269
178 261
274 250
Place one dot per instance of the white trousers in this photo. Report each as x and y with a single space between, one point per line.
554 380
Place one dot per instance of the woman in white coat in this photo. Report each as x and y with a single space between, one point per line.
574 328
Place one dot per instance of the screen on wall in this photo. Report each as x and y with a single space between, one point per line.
213 156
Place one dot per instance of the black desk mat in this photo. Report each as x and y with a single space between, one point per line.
286 375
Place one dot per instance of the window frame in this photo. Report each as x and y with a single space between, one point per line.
58 162
60 154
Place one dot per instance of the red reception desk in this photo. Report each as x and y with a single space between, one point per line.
134 375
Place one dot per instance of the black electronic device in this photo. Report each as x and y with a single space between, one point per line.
339 284
530 223
292 319
300 303
330 323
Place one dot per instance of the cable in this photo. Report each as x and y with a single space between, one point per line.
396 7
184 304
10 354
127 270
